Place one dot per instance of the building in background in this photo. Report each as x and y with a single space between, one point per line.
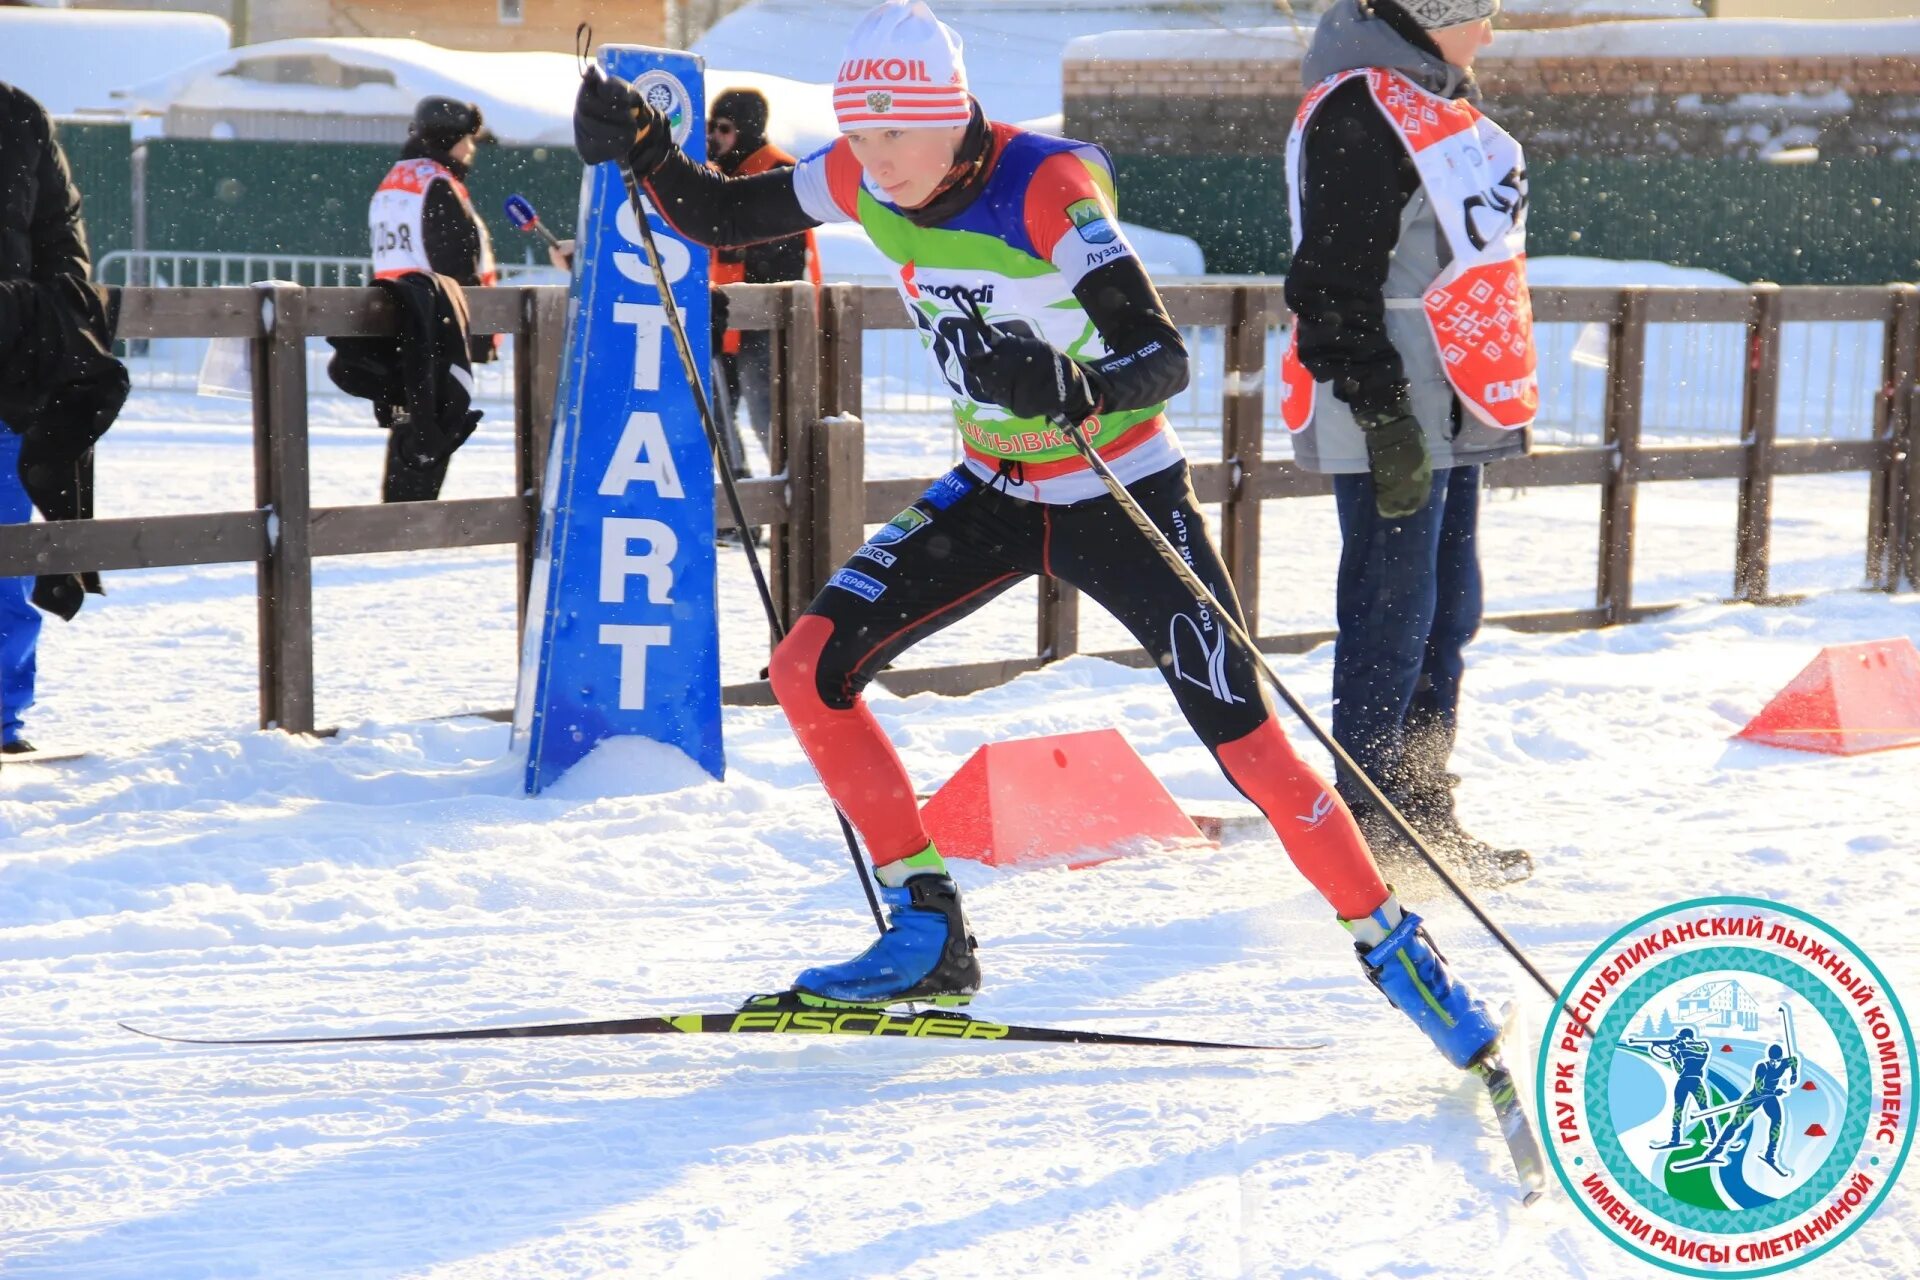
72 61
504 25
355 90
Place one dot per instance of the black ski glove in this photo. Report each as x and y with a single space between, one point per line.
1397 452
1028 377
613 122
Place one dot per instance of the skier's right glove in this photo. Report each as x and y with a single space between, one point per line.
1402 467
611 121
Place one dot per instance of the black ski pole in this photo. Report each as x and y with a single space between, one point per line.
698 388
1158 540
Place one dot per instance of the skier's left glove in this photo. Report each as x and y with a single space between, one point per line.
1029 378
611 121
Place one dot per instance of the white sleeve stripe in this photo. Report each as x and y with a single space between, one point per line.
1075 256
810 185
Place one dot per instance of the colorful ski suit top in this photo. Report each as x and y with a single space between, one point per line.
1034 221
1045 218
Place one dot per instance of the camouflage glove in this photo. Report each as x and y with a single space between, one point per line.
1402 467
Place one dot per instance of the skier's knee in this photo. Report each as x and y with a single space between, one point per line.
798 672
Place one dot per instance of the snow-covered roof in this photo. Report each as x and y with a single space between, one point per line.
72 59
527 98
799 113
1013 47
1657 38
1522 12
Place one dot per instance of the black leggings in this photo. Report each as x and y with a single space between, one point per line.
962 544
965 542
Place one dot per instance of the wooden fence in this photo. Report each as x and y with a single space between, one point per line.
819 502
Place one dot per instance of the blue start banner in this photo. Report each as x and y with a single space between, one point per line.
622 627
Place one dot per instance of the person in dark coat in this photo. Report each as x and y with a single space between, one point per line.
743 359
60 387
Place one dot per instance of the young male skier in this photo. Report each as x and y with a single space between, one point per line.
1021 226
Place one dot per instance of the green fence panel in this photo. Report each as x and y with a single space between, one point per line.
101 157
1235 206
1843 221
311 198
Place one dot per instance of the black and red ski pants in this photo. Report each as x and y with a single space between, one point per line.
963 543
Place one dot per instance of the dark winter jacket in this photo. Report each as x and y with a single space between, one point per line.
419 378
451 230
446 223
1369 235
774 261
60 387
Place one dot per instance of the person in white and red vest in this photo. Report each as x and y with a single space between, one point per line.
428 244
1412 364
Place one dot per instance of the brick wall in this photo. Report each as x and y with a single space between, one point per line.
1856 106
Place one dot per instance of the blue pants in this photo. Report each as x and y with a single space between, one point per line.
19 620
1409 599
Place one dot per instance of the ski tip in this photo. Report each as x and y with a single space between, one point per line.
1531 1197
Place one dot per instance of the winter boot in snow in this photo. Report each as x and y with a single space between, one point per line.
1402 961
1428 805
926 954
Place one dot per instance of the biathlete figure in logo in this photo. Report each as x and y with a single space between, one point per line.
1762 1096
1689 1056
1022 226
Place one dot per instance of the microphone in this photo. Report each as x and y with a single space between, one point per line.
520 213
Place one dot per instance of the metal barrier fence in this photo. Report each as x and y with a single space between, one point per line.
174 364
1695 379
819 501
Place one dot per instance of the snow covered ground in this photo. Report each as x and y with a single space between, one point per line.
196 876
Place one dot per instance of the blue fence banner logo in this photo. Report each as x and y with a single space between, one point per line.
622 625
1727 1087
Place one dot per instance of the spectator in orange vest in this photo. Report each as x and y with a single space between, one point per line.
737 146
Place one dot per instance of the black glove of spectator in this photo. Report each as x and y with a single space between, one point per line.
1402 467
1027 376
613 122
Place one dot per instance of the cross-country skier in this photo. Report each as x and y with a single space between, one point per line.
1023 226
1762 1096
1689 1056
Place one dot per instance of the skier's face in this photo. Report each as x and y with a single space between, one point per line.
908 164
1462 42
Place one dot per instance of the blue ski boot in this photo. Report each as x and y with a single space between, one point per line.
926 954
1402 961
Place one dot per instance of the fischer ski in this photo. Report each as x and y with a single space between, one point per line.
1523 1143
769 1020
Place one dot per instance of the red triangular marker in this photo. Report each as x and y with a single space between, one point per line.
1808 1086
1082 797
1726 1048
1851 698
1815 1131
